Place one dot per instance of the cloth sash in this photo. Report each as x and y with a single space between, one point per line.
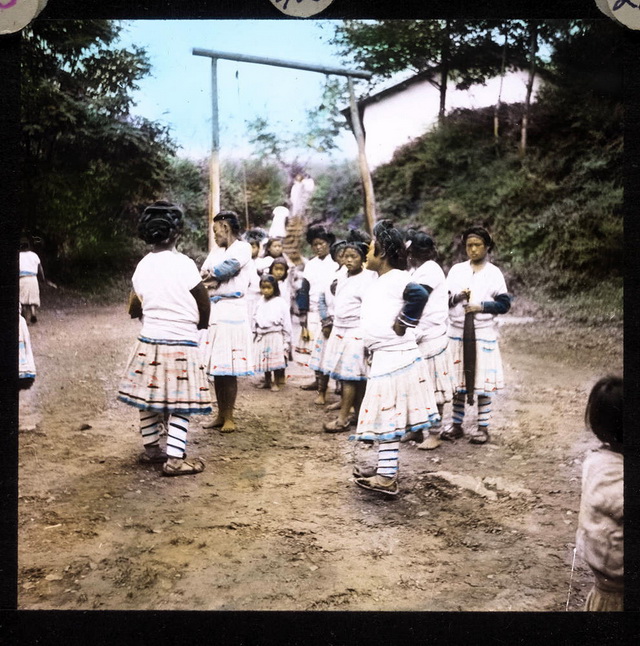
469 355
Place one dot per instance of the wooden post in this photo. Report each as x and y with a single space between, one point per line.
367 183
214 166
214 162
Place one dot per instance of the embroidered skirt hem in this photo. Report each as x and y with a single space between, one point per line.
399 397
166 378
227 350
344 355
489 370
438 358
269 352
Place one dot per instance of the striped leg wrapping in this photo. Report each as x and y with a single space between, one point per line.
177 435
388 458
484 410
150 425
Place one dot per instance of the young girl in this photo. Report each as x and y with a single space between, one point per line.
344 357
326 300
164 374
431 331
315 277
399 398
254 237
273 249
279 269
600 534
477 294
272 334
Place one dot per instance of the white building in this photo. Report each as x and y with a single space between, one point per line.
404 111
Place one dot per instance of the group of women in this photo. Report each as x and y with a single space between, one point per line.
376 314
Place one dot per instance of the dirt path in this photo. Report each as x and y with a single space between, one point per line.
274 522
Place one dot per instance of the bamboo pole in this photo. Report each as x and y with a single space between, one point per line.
214 162
367 183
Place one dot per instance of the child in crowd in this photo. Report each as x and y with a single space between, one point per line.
431 331
317 274
399 398
325 308
227 352
280 270
273 248
477 294
254 237
600 534
344 357
164 374
271 333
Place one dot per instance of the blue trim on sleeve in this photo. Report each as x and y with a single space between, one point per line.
501 305
227 269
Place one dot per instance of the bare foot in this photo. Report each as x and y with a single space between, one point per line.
320 400
229 426
263 384
217 423
275 388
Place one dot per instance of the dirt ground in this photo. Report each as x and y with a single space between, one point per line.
275 521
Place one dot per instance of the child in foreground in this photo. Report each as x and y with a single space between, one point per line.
600 534
164 375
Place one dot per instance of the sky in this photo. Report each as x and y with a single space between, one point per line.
178 91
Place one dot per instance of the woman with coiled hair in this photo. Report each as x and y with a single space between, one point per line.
344 357
164 376
228 350
431 331
398 402
477 294
316 276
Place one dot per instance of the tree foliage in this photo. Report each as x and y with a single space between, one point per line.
88 165
557 218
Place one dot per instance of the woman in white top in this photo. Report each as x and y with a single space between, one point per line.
315 278
398 401
477 294
30 271
164 375
227 352
344 357
431 331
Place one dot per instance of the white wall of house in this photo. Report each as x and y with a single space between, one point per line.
398 118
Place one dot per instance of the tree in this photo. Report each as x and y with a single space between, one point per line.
88 165
443 50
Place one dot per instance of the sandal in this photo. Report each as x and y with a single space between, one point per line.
185 468
157 458
431 442
364 472
379 483
480 436
335 426
453 432
416 436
